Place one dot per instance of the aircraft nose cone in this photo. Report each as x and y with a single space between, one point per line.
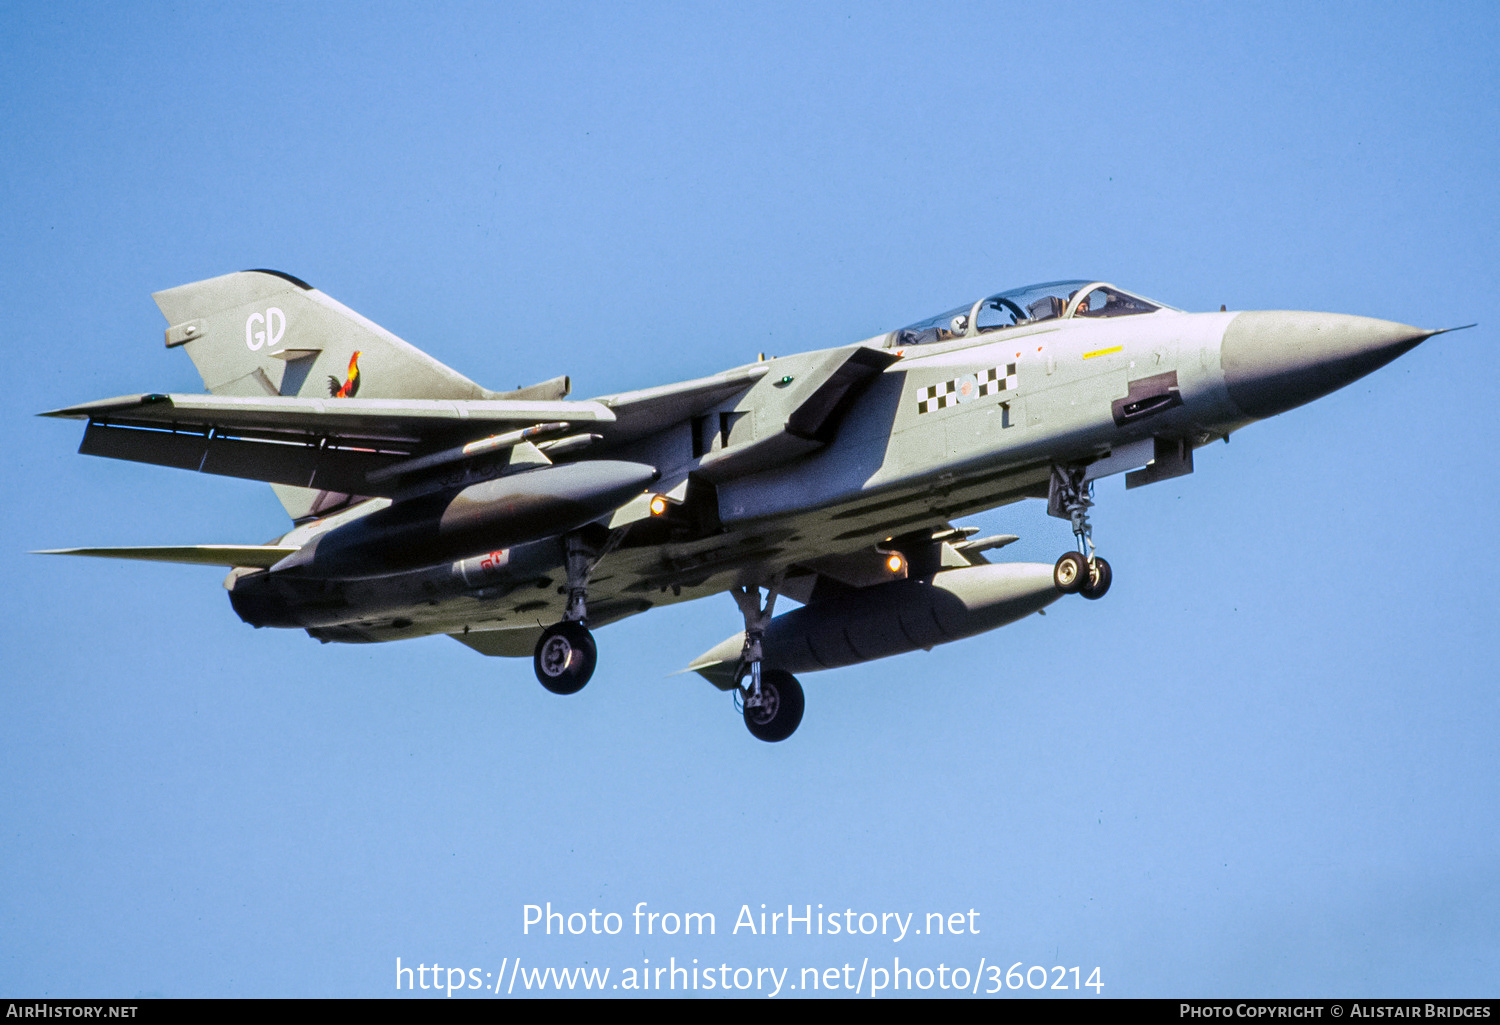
1276 360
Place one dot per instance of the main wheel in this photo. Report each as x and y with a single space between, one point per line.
565 657
1098 581
780 711
1071 573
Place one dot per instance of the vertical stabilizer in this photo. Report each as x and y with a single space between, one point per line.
260 332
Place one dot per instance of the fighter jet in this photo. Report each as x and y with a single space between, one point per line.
517 522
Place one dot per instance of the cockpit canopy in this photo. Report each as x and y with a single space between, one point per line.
1054 300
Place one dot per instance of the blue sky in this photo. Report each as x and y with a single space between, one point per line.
1265 764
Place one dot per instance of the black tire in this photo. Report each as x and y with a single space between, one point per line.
1099 580
1071 573
565 658
781 712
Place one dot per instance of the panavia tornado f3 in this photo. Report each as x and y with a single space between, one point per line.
515 522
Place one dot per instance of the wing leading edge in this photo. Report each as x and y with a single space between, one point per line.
336 445
262 556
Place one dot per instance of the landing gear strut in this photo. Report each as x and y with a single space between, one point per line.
566 654
1082 572
772 700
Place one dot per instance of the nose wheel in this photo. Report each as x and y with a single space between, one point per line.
1098 581
1075 574
1070 573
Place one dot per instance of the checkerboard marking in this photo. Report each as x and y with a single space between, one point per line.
941 396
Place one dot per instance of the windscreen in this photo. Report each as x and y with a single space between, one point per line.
1031 304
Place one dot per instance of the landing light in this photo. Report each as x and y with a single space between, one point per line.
894 563
658 505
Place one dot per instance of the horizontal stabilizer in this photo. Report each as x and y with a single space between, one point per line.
263 556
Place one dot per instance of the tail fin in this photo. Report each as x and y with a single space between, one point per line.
262 332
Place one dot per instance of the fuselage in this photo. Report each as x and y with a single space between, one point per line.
967 417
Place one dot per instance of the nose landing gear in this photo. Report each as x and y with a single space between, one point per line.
1082 572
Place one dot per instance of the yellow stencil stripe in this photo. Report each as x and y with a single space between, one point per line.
1103 352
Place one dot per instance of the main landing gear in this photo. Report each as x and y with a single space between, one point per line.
772 699
1081 572
566 654
565 657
